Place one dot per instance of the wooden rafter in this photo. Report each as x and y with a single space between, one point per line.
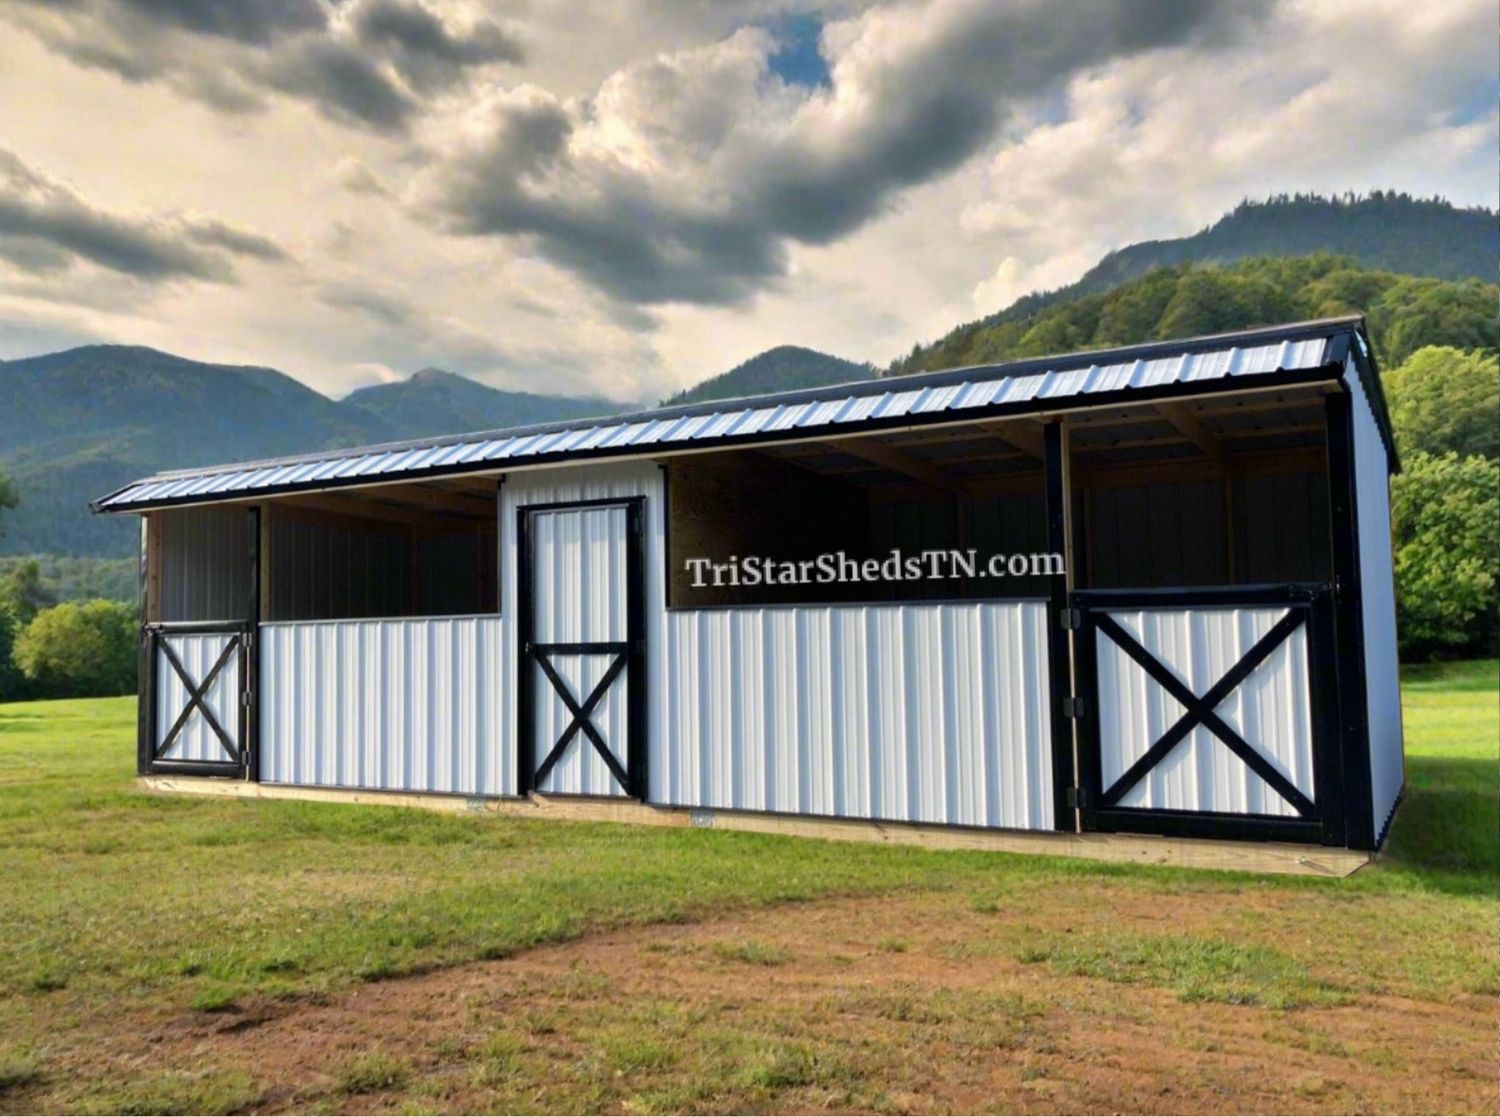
1024 434
1189 427
900 461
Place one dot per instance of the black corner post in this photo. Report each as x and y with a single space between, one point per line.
145 664
250 680
525 745
1348 623
635 624
1059 633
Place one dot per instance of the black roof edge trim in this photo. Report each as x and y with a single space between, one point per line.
1065 362
1119 397
1369 378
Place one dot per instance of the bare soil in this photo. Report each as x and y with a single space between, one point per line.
902 1004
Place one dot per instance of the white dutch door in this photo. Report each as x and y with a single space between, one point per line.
582 646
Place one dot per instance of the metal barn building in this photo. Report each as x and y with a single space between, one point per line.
511 619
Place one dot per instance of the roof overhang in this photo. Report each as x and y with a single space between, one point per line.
1302 353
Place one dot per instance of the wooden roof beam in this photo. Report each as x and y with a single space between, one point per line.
1195 432
899 461
1024 434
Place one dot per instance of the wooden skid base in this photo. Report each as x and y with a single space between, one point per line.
1197 853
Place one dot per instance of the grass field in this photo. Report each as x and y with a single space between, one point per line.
175 954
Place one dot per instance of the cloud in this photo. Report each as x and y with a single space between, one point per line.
426 51
366 62
1150 148
45 227
249 21
685 176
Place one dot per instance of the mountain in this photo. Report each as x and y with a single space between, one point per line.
776 370
79 423
1403 312
1383 230
433 402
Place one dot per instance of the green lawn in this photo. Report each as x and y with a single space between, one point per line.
119 903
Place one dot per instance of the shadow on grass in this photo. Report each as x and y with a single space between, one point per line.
1447 830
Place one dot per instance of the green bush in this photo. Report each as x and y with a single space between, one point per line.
80 650
1447 528
1445 399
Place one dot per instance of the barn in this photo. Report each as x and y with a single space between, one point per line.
1135 602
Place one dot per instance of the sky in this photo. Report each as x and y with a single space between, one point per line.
624 198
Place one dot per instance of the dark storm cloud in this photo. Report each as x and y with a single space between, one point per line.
366 62
423 48
343 81
45 227
914 93
248 21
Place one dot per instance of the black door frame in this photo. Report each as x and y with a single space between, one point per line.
1321 820
631 652
236 738
244 633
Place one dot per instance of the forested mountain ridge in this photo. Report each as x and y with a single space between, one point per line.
1403 312
781 369
75 425
1384 230
434 402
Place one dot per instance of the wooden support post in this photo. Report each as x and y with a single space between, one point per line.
267 513
153 566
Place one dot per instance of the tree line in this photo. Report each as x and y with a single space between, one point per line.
1438 339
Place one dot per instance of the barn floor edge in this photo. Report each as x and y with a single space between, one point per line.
1195 853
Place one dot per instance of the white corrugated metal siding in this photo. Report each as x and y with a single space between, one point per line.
579 581
1271 710
915 713
403 705
198 653
1378 590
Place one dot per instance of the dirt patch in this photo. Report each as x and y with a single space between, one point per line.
923 1004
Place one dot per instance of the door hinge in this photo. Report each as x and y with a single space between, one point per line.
1077 797
1070 619
1073 707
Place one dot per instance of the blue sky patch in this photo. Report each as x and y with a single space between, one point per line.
796 59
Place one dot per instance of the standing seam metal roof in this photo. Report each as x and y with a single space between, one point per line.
933 397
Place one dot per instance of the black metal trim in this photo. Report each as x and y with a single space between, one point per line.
1199 710
1321 817
582 712
1385 827
145 728
630 657
1349 624
197 691
858 603
666 535
1205 824
1118 397
149 760
1288 593
1059 641
250 665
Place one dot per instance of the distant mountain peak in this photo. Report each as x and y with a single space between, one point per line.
433 375
782 368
